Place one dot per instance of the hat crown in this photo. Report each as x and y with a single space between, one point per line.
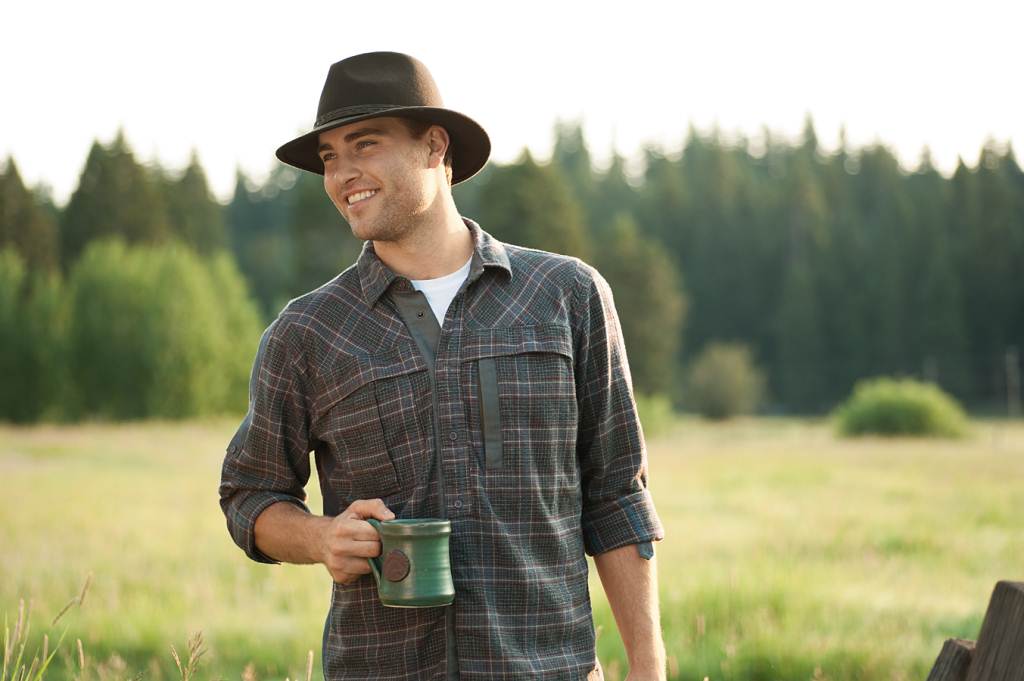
373 79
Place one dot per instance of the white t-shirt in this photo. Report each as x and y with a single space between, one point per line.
442 290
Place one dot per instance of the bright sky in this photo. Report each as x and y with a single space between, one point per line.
235 80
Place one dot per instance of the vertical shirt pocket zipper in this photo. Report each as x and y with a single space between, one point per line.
490 414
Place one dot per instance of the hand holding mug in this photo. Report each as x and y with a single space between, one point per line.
348 541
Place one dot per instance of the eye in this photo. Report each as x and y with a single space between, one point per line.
327 156
359 144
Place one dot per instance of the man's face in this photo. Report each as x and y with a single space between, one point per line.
381 157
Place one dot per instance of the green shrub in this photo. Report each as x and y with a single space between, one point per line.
655 411
32 311
108 358
887 406
242 329
723 381
156 332
44 371
12 278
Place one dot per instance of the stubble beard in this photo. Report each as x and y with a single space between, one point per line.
380 229
393 220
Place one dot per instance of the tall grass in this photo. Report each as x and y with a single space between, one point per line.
790 553
18 667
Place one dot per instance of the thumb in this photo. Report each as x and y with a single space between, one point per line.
362 509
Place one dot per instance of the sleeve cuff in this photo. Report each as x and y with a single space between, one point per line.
242 516
628 520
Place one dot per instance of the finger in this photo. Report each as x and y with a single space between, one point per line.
344 577
350 565
353 529
357 548
368 508
337 574
364 549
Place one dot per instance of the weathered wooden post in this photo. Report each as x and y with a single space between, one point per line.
953 661
999 653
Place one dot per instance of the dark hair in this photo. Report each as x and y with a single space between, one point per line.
418 129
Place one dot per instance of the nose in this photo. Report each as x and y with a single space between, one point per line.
342 173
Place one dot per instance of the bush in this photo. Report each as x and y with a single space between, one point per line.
12 277
886 406
44 370
723 381
32 338
655 411
157 332
242 329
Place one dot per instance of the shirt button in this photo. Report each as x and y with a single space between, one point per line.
453 436
458 503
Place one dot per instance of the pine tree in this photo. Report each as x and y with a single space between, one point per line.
845 261
531 205
935 312
322 242
25 224
1015 181
613 195
801 352
650 301
258 232
195 216
663 203
115 196
571 158
467 194
985 214
885 217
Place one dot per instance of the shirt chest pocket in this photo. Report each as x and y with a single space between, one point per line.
373 417
520 394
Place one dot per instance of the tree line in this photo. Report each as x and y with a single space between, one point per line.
828 266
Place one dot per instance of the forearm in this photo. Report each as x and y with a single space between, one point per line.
631 585
289 534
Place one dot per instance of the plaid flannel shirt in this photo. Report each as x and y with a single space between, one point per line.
543 460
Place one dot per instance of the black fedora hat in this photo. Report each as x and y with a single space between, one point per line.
377 84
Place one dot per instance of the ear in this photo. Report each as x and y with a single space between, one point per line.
438 139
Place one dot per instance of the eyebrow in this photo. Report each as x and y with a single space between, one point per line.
361 132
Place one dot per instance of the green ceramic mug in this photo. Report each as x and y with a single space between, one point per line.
413 570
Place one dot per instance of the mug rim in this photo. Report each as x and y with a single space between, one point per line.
405 527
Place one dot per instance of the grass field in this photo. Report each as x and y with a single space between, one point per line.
789 555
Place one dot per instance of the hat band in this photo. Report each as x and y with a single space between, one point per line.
355 110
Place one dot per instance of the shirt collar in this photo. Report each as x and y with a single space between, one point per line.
375 277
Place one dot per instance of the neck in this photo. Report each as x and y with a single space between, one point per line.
437 246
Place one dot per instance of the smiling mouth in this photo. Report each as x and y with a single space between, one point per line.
361 197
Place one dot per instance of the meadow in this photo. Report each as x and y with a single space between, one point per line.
789 554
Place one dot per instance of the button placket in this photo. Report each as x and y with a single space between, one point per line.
449 394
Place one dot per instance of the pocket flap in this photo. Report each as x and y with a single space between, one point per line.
513 340
351 372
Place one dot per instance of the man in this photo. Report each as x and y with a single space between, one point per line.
446 374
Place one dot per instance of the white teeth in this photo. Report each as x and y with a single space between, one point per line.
360 196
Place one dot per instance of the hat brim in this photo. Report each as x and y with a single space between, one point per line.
471 146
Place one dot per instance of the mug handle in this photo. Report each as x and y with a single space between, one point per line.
375 563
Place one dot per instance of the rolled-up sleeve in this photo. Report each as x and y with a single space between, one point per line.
267 460
617 506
